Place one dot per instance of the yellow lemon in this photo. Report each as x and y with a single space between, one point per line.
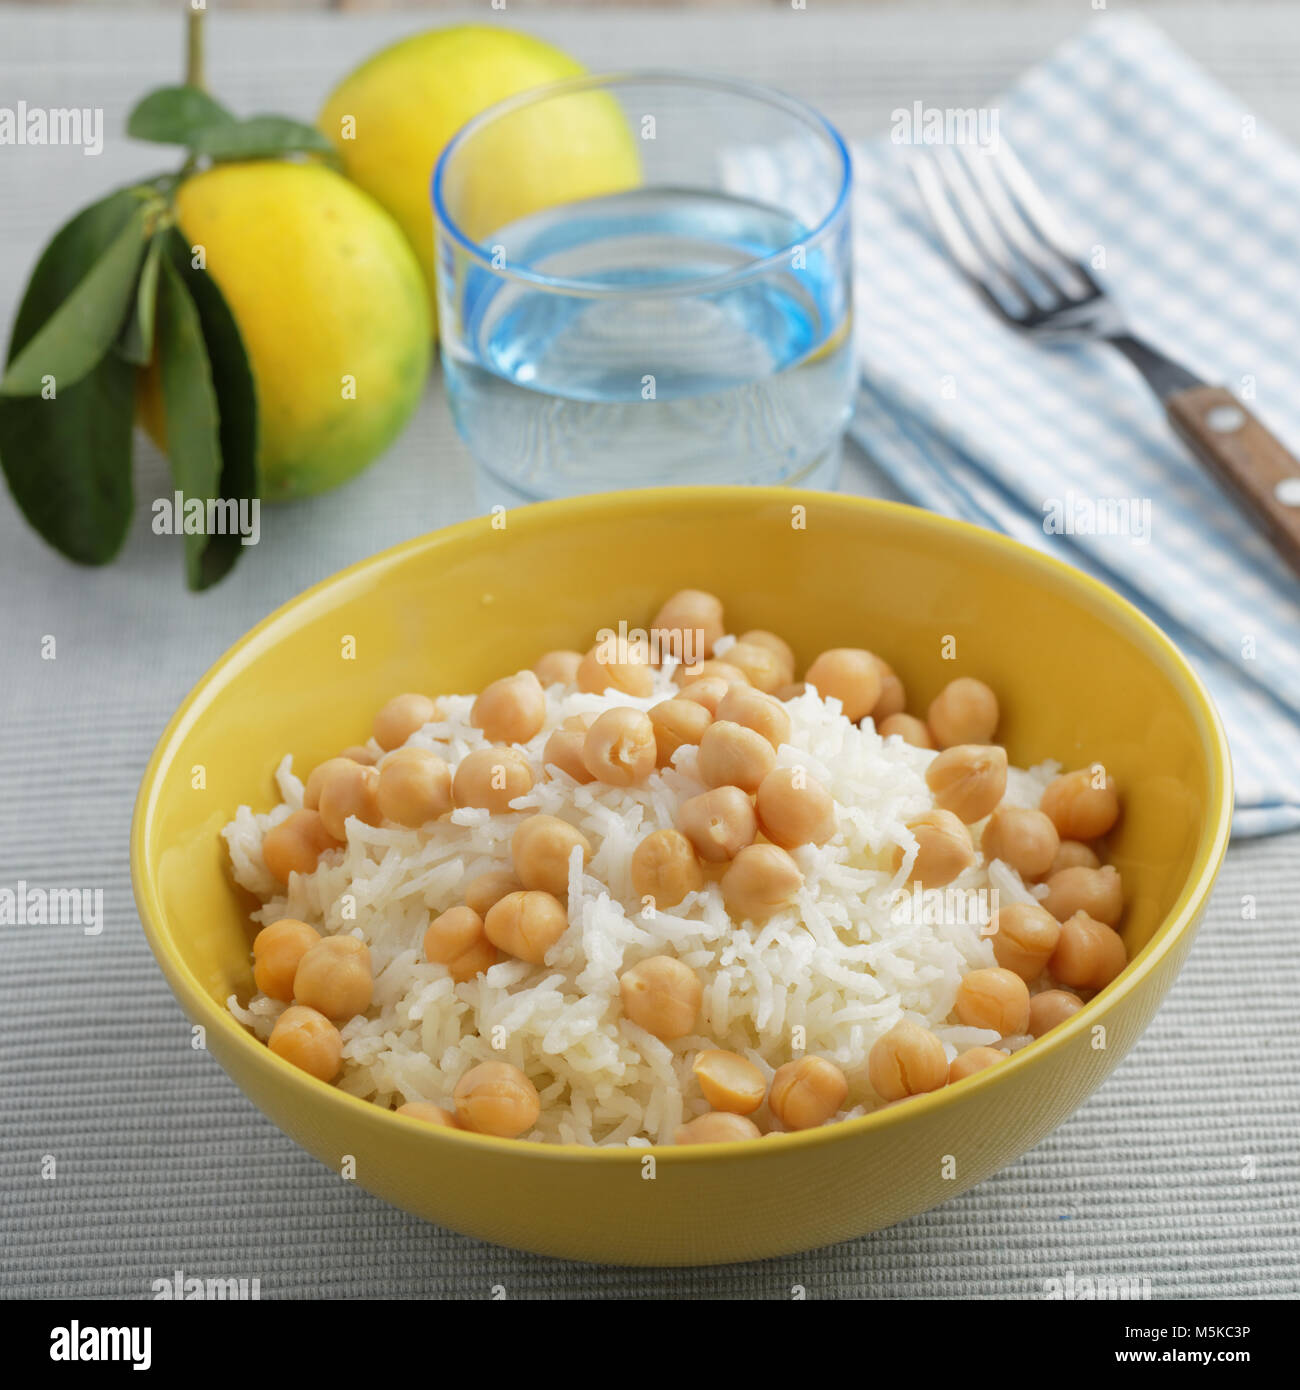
331 307
391 118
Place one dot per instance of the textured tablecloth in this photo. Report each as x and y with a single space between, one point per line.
1183 1169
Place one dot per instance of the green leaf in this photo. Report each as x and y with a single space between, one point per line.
187 116
260 137
232 379
69 257
136 343
193 420
176 116
84 326
68 460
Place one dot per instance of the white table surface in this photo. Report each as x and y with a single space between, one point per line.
1182 1169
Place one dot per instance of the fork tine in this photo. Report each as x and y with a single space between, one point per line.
1051 271
982 270
970 176
949 227
973 212
1039 215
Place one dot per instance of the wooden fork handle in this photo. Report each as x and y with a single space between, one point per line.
1247 459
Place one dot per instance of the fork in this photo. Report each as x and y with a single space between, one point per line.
1004 236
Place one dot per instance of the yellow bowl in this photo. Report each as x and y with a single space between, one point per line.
1082 676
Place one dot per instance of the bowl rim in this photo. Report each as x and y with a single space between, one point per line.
1181 918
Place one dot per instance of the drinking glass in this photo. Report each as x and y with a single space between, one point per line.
645 278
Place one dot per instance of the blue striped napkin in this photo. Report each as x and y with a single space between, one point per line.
1190 211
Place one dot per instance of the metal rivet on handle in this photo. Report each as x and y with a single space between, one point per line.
1223 419
1288 492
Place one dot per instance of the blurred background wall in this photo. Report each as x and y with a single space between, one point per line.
464 5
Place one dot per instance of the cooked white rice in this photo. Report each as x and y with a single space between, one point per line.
829 975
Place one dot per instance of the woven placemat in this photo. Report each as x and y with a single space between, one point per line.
1181 1170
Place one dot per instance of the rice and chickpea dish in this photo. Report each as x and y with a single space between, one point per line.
659 892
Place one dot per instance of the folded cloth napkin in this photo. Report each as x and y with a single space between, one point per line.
1189 210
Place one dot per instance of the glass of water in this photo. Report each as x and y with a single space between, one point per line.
645 279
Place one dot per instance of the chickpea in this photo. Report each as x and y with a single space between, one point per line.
620 747
713 669
526 924
321 774
707 691
906 1061
479 959
690 622
665 868
761 666
558 668
907 727
1089 954
995 998
794 808
755 710
791 691
296 844
496 1098
510 710
972 1060
1082 804
414 787
402 716
333 977
943 849
1027 840
309 1041
1050 1008
729 1082
599 672
662 996
564 748
1073 854
968 779
359 753
1025 938
850 675
428 1112
760 880
964 711
353 790
677 722
1098 892
456 939
892 699
485 891
806 1093
277 949
717 1127
778 646
719 823
491 778
734 756
542 847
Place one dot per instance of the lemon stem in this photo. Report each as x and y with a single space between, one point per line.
194 47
